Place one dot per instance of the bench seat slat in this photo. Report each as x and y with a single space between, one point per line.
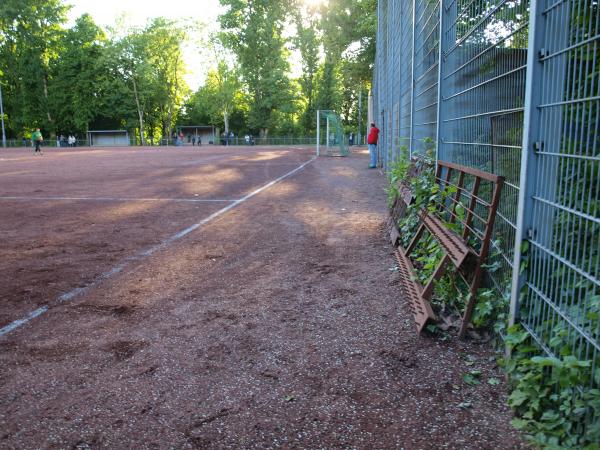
412 290
453 244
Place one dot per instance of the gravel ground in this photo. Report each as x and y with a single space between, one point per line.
277 325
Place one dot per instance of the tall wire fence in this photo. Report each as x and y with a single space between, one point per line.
512 88
236 140
561 207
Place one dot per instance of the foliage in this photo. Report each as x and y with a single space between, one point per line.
76 78
69 80
30 35
397 173
328 95
422 184
349 28
72 80
253 30
146 67
221 95
164 40
552 396
307 41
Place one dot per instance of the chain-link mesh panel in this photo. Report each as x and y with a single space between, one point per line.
459 68
427 33
562 290
482 102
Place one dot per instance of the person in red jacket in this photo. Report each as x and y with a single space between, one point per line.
372 141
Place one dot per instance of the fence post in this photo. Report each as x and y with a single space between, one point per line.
380 68
440 89
412 81
393 32
318 131
359 113
448 14
2 119
528 157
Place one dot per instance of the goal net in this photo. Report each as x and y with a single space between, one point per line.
331 140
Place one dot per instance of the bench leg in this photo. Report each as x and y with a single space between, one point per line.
415 240
471 303
437 274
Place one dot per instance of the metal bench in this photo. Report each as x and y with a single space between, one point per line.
461 220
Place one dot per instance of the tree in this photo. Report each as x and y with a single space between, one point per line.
221 92
349 30
308 42
74 89
130 63
194 112
328 92
69 80
165 39
252 29
148 67
30 31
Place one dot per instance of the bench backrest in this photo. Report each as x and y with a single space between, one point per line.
468 201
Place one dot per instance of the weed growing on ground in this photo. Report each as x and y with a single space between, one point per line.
552 396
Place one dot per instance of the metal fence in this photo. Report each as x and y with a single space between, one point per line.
513 88
52 143
559 213
237 140
482 91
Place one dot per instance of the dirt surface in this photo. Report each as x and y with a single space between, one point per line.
69 216
277 324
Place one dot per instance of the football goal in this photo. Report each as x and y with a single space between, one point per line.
331 140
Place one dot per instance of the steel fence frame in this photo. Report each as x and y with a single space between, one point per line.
482 103
560 220
513 88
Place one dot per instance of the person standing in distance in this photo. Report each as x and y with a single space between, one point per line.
372 141
37 139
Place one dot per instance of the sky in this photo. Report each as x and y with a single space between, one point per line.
137 13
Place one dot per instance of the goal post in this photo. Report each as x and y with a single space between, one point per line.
331 140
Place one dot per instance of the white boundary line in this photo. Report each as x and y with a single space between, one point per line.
116 199
119 268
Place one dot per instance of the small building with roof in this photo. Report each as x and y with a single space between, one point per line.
108 138
206 133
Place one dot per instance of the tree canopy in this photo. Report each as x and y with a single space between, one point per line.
272 64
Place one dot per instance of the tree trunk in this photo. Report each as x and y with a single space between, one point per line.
151 134
171 100
168 123
45 80
140 112
226 122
